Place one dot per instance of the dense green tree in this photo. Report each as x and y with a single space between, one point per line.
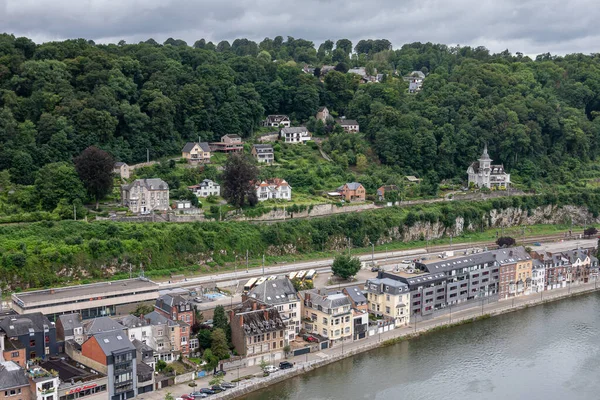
219 345
220 318
238 177
58 181
345 266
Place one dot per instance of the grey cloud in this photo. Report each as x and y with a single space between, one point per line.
528 26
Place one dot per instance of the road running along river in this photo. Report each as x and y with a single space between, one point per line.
551 351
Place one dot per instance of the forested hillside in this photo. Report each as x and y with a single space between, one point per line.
539 117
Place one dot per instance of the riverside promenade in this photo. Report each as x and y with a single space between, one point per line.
311 361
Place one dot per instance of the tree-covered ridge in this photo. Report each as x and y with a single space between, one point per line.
537 116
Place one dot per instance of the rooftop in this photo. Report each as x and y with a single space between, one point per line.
113 341
12 376
102 324
70 372
17 325
275 291
91 291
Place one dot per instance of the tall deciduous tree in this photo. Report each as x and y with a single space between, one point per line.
95 169
238 177
58 181
219 345
345 266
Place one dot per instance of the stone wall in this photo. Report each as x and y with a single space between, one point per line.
319 210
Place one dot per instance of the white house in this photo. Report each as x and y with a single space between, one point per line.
483 174
297 134
206 188
277 120
538 276
275 188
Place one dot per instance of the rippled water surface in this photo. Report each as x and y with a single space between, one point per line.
545 352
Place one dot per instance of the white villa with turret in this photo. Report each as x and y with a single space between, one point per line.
483 174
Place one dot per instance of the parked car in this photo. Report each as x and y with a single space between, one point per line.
220 373
198 300
218 388
285 365
207 391
312 339
227 385
270 369
537 244
195 395
374 269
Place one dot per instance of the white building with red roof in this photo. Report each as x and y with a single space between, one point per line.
275 188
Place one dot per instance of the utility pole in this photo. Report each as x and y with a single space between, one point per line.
246 260
263 265
372 255
148 155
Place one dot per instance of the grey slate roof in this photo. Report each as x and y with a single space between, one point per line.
353 185
12 376
263 146
347 122
70 322
511 255
258 321
102 324
119 164
150 184
356 294
113 341
204 146
449 264
294 129
329 301
131 321
17 325
276 291
155 318
188 147
232 136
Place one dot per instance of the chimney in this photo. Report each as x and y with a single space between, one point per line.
241 321
510 253
253 306
266 314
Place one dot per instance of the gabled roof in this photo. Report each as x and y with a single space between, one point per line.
326 300
263 146
352 185
294 129
131 321
204 146
166 301
17 325
277 118
232 136
102 324
113 341
511 255
258 321
188 147
343 122
149 184
321 109
12 376
356 294
276 291
119 164
155 318
70 322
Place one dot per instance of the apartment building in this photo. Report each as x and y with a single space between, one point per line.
389 298
35 333
330 314
516 270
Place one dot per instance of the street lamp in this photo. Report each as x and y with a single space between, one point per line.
372 254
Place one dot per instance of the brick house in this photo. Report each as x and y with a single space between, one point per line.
352 191
176 308
12 350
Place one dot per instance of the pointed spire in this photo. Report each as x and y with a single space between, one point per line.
485 156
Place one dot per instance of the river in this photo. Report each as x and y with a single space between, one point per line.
545 352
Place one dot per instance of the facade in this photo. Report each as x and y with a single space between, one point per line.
176 308
323 114
538 276
273 189
515 271
483 174
263 153
136 328
12 350
297 134
77 381
165 339
352 191
280 293
360 312
349 125
257 332
415 81
330 314
43 384
13 382
121 170
389 298
206 188
386 188
90 301
69 326
196 153
567 267
277 120
228 144
146 195
112 354
34 331
437 284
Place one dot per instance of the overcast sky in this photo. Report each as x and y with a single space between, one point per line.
527 26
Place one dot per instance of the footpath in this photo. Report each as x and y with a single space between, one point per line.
310 361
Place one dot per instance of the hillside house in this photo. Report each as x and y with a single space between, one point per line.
229 144
349 125
352 191
277 120
323 115
275 189
206 188
263 153
483 174
195 152
385 188
145 195
121 170
297 134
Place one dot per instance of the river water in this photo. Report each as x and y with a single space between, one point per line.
545 352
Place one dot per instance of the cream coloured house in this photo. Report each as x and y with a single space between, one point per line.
330 314
146 195
390 299
196 152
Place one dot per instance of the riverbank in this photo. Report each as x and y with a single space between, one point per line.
441 322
